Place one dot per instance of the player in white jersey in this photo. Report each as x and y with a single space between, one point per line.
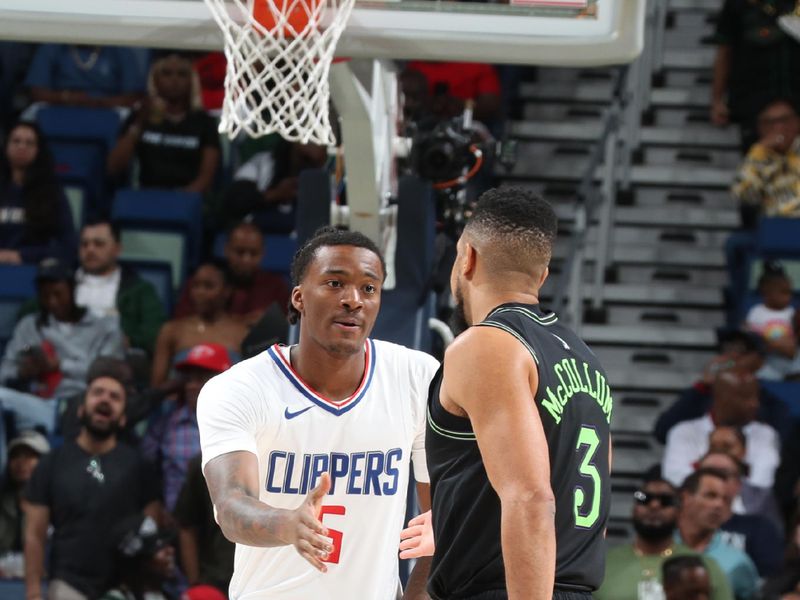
307 449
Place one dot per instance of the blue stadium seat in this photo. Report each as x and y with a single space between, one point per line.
788 392
161 225
778 238
81 167
12 589
16 286
99 126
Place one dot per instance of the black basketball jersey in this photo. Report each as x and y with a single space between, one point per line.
574 403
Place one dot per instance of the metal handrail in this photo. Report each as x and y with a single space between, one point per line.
568 295
631 96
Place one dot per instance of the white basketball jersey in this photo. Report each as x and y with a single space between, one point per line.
366 442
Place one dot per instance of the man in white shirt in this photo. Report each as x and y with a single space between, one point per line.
307 449
108 289
735 403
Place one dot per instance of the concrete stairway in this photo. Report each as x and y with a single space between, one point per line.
663 296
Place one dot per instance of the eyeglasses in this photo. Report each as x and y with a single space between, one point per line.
645 498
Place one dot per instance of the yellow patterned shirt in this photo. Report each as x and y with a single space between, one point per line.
770 180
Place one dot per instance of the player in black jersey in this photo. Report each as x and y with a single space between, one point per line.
518 442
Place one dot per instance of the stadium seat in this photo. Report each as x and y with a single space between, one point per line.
99 126
12 589
778 238
160 225
16 286
788 392
81 166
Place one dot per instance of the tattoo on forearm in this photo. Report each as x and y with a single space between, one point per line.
243 517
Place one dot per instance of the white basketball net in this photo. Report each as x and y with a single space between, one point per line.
277 77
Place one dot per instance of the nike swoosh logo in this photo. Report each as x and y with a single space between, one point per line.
291 415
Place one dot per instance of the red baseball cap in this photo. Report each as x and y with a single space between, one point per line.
212 357
203 592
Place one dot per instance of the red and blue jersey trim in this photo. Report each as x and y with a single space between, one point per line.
332 406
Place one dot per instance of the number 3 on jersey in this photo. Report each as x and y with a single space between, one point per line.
336 536
588 439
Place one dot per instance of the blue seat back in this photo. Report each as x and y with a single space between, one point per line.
788 392
170 216
75 123
17 284
778 238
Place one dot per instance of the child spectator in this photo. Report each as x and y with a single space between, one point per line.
173 139
211 322
773 319
686 578
35 219
24 453
728 440
98 76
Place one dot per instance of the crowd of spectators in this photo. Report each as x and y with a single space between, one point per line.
102 491
103 494
718 517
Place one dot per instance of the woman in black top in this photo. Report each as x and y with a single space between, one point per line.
173 139
35 220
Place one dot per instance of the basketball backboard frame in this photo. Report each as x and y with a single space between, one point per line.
382 30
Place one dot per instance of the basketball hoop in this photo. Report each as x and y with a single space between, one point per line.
279 53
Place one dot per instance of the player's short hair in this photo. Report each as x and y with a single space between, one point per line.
692 482
518 228
673 567
324 237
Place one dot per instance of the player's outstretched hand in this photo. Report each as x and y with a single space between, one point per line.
308 533
416 540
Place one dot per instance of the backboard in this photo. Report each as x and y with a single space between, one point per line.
541 32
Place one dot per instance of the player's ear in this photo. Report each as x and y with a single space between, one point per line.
470 259
297 299
543 277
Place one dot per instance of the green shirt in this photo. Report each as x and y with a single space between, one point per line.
625 569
